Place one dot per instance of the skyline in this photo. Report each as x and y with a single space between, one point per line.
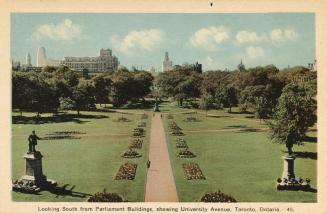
217 41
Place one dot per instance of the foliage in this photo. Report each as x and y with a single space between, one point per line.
180 85
226 97
217 197
105 197
293 116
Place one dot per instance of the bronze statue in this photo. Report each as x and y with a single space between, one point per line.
32 141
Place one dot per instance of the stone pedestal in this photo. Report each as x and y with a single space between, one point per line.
33 171
289 166
34 180
288 180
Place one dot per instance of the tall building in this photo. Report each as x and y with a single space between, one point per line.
167 65
28 59
42 60
105 62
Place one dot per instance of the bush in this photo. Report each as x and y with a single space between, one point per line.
105 197
217 197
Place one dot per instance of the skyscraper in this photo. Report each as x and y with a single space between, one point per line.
167 65
28 59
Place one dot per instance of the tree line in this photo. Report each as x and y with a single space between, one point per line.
59 88
256 89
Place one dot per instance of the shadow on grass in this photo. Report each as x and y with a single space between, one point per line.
310 139
245 130
310 155
64 191
238 126
55 119
218 116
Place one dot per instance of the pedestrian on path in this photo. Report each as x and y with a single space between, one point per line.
148 164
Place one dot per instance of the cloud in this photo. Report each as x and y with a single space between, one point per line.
209 38
65 30
253 52
249 37
144 40
280 35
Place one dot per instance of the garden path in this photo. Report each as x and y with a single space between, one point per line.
160 185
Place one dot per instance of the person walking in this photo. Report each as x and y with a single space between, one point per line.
148 164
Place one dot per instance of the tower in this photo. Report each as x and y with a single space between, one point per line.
167 65
28 59
241 66
41 58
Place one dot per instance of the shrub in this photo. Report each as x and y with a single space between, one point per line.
105 197
217 197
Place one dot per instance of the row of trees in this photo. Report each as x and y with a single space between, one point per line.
61 88
256 89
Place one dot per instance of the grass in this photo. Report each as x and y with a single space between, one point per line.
237 160
233 152
87 164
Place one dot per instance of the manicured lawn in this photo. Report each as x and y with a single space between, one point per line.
242 163
88 163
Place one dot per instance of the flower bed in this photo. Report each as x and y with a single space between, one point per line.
131 154
217 197
192 171
126 171
173 126
105 197
186 154
181 143
177 133
136 143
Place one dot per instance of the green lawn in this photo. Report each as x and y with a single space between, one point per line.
244 163
88 164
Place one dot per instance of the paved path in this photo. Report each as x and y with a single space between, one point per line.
160 185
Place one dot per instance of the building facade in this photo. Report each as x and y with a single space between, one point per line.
103 63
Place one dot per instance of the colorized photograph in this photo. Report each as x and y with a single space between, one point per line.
163 107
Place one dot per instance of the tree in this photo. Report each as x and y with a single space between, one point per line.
83 97
21 91
179 84
102 85
227 97
293 116
206 102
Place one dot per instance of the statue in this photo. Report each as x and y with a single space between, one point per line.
32 141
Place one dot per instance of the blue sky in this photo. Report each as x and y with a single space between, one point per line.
218 41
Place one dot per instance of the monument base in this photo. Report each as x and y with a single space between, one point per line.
293 184
34 180
288 180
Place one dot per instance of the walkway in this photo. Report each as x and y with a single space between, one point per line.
160 186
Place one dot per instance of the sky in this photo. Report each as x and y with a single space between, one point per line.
217 41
